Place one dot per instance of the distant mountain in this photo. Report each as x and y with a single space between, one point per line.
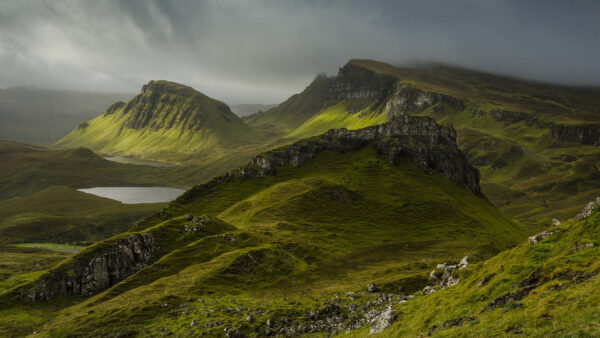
42 117
166 121
242 110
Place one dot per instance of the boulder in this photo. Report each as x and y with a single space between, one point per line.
555 222
372 288
587 210
541 236
383 321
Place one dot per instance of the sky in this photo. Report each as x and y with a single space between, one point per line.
261 51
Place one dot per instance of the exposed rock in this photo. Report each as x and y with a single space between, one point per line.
587 210
464 263
508 116
407 100
541 236
429 145
582 246
234 333
446 275
555 222
428 290
372 288
355 82
89 274
383 321
588 133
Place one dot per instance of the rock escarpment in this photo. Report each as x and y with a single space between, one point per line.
354 82
163 104
88 274
582 133
427 144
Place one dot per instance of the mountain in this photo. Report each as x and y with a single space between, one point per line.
535 144
246 109
268 247
166 121
42 117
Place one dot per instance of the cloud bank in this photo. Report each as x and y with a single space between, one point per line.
263 51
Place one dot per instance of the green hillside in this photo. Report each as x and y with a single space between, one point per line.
278 237
166 122
535 144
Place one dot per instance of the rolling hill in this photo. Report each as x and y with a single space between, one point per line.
166 122
268 247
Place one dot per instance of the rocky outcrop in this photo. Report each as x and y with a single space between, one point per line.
446 275
588 133
88 274
587 210
419 139
407 100
541 236
383 321
114 107
356 82
509 117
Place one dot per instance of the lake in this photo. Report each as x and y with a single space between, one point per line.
135 195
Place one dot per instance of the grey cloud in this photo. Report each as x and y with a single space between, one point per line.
263 51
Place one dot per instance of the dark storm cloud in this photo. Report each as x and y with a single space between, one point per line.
263 51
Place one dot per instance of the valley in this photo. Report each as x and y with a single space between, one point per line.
325 214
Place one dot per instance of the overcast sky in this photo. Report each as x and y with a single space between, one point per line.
259 51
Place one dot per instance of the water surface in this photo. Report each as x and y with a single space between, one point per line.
129 160
135 195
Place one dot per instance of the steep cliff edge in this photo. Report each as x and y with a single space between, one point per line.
588 133
108 262
425 143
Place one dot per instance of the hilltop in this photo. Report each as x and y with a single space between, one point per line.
272 239
166 121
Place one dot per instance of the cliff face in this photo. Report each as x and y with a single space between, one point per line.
86 275
355 82
410 100
582 133
163 104
420 139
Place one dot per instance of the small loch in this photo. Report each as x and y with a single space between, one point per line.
136 195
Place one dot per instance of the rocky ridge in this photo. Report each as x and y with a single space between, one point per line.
89 274
427 144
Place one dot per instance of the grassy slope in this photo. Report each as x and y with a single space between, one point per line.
62 214
333 225
179 121
564 304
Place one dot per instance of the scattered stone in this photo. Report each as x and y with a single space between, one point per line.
464 263
194 322
372 288
428 290
188 217
587 210
555 222
250 318
234 333
514 330
383 321
582 246
542 235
